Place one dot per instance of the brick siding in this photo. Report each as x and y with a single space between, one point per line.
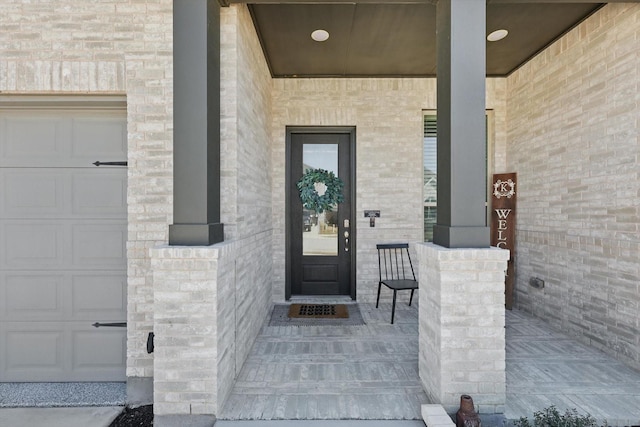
462 326
573 140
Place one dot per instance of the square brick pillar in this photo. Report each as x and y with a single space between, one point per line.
194 359
462 326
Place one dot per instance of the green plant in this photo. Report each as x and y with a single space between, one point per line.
551 417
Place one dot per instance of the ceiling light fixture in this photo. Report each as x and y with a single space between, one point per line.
320 35
497 35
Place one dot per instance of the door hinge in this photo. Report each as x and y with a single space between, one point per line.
111 325
99 163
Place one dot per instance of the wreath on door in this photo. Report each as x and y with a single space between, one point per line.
320 190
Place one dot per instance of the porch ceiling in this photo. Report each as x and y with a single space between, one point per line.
398 38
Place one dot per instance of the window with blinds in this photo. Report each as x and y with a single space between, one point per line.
430 171
430 174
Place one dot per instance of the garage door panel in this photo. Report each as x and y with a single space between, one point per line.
98 350
68 351
33 140
30 245
32 192
99 245
61 139
47 193
59 245
102 137
100 193
65 295
63 230
33 351
34 297
99 296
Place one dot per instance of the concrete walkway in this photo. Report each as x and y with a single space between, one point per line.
58 417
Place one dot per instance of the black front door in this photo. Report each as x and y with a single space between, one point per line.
319 244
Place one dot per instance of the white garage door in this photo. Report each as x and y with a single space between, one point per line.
62 245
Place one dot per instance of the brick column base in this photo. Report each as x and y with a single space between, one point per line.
462 321
193 356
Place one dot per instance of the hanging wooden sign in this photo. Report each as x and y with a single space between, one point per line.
503 225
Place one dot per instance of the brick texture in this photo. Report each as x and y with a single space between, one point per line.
573 140
188 285
246 175
462 321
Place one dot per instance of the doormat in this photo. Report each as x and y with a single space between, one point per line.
280 317
318 311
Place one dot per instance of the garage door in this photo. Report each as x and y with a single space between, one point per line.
62 243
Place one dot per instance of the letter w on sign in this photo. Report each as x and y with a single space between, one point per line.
502 213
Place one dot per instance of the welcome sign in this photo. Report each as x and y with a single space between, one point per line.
503 225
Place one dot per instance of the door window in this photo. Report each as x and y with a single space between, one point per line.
320 229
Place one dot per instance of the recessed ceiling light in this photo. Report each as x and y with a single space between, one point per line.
497 35
320 35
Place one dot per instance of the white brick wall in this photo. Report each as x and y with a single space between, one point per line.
246 173
246 114
462 326
574 142
387 114
108 47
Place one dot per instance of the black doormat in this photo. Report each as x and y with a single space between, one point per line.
318 311
280 316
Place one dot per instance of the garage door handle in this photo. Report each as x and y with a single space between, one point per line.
113 325
99 163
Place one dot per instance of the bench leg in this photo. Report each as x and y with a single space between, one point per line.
393 307
411 299
378 300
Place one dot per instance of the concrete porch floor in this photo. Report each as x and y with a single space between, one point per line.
545 367
330 372
371 372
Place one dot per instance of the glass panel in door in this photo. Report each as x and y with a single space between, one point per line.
320 229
